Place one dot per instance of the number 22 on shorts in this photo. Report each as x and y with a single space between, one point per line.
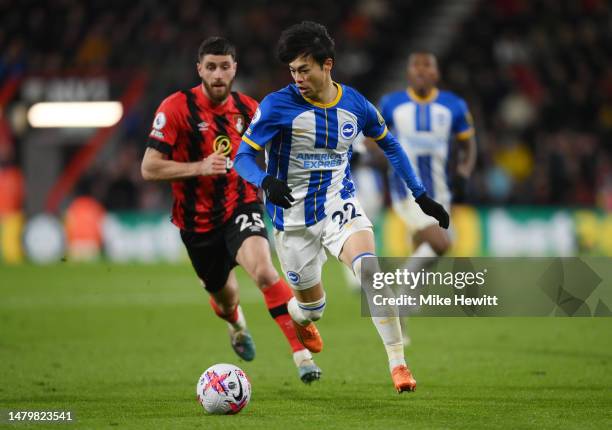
348 213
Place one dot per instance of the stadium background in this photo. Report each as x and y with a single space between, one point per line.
537 76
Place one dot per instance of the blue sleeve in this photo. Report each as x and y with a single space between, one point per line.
376 128
246 166
264 125
374 125
462 120
400 162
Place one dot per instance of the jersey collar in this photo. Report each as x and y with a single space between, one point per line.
333 103
417 98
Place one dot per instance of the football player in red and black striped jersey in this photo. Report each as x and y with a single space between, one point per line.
194 139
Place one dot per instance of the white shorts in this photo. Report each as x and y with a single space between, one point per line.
301 252
410 212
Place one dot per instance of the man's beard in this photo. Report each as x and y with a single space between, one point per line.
212 91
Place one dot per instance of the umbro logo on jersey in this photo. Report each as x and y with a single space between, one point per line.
203 126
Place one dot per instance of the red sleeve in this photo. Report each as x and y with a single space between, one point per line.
166 124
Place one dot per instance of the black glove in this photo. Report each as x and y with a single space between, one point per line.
459 186
277 192
434 209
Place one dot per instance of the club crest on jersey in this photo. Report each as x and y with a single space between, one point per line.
159 121
348 129
293 277
239 123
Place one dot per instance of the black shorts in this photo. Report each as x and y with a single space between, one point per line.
213 254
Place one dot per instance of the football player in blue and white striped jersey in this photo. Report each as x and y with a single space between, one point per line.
428 122
306 130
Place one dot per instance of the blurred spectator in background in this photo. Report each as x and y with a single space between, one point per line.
122 192
539 73
11 178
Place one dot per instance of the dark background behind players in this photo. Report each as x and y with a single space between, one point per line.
537 76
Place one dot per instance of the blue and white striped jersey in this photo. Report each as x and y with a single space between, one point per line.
425 129
308 145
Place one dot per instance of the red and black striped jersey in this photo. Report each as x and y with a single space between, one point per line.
189 127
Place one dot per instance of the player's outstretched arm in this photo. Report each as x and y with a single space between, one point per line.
398 158
277 191
246 166
156 167
465 167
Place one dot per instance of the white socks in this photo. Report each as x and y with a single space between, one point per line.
305 313
301 357
390 332
388 328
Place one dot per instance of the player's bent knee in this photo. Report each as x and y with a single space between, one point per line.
437 238
265 275
441 246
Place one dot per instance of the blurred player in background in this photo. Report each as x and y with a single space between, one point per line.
307 130
195 137
428 122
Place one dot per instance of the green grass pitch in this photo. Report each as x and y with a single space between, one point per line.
123 346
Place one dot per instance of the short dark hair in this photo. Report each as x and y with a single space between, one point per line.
216 46
306 38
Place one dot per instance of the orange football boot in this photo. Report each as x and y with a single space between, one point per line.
309 336
403 379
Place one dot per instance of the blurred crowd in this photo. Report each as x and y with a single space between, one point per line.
163 37
538 78
536 74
